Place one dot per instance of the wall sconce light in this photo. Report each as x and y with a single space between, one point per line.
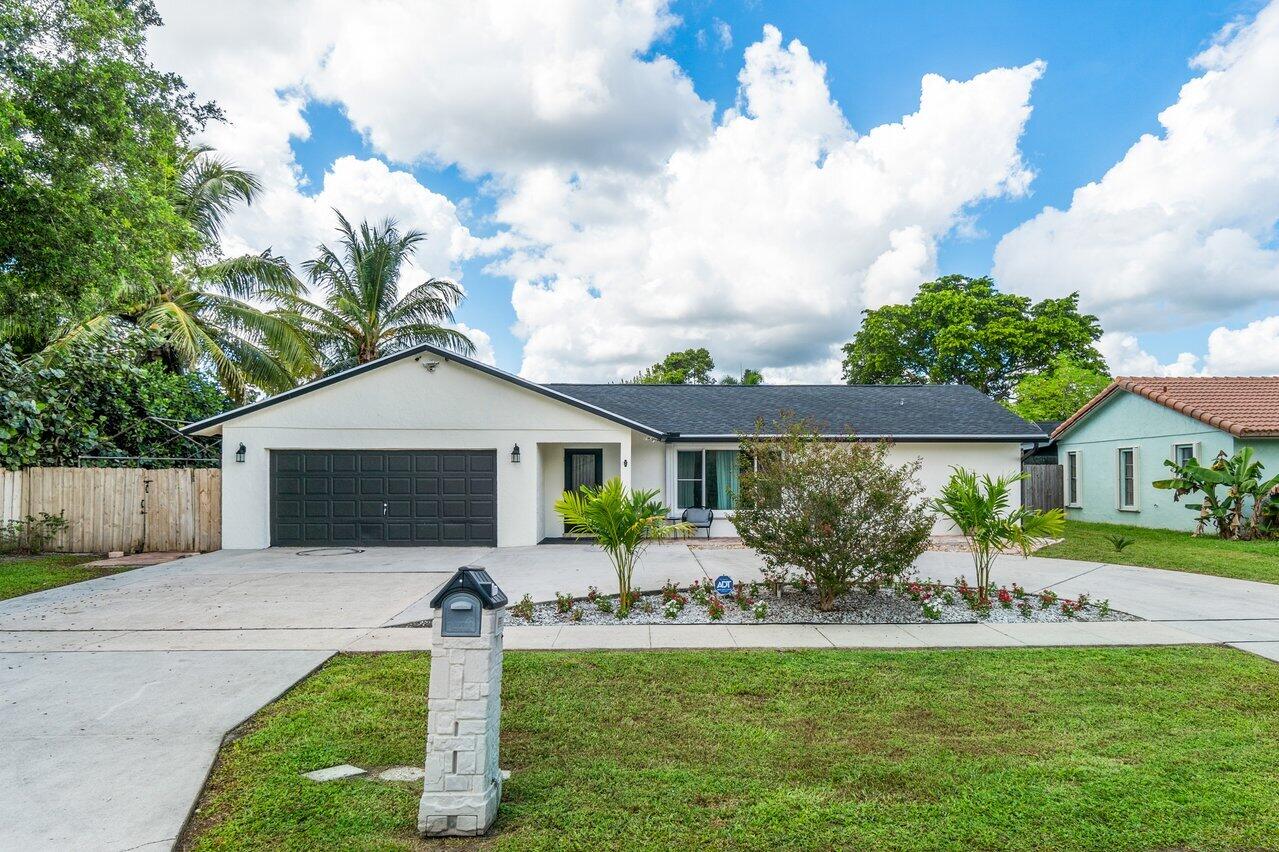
515 454
239 454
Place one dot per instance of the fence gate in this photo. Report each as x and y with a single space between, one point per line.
127 509
1043 490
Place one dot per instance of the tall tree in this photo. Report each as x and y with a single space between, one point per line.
363 317
90 138
207 311
962 330
1058 392
690 367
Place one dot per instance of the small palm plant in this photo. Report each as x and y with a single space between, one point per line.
623 524
979 508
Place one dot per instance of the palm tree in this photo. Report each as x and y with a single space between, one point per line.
363 317
207 312
980 509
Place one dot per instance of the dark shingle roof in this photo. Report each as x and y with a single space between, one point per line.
900 411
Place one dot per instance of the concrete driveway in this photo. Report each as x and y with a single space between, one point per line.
115 693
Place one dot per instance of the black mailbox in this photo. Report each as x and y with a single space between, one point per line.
462 600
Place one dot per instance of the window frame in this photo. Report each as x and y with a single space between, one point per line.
1135 504
1180 445
1074 479
676 479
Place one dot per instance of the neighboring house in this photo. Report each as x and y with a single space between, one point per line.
1114 447
425 447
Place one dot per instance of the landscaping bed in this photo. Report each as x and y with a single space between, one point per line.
1063 749
905 602
1169 549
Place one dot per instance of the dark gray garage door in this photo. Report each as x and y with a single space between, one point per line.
379 498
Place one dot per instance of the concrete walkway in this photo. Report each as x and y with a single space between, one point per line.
115 693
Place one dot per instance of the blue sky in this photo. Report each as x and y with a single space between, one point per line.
1111 68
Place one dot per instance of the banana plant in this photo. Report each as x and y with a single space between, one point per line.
1236 500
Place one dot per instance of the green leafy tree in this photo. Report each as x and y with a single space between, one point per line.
980 509
749 378
622 523
104 396
1247 505
962 330
690 367
838 511
90 139
363 317
1058 392
206 313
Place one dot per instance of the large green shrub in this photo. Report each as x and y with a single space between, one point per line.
838 511
1247 506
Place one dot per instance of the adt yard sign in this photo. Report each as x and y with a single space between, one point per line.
724 585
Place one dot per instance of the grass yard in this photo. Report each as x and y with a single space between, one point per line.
1120 748
22 575
1176 551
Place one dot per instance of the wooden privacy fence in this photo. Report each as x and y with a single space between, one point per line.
129 509
1043 490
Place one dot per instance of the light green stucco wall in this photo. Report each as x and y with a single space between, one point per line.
1127 420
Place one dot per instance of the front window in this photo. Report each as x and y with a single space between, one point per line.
1128 478
706 478
1183 453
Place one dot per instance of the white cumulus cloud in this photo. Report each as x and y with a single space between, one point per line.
1182 229
765 240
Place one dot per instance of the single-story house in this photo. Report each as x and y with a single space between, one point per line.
426 447
1114 447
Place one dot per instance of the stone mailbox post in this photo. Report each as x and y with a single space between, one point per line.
463 783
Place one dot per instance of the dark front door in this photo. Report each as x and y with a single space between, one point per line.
410 498
583 467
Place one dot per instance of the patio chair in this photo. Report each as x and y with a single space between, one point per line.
700 518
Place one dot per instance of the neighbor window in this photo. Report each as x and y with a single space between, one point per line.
1072 479
1128 478
1182 453
706 478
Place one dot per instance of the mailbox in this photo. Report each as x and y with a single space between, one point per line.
462 600
461 615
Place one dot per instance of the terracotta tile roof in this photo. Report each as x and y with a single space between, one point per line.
1244 406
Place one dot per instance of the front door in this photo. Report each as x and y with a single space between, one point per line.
583 467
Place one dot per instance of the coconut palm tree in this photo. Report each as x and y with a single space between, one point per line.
215 311
362 316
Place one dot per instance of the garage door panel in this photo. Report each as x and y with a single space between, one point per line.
383 497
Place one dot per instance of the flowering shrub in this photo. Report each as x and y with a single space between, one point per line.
715 608
1103 608
577 614
603 604
931 607
672 608
1025 609
563 602
646 606
1005 598
524 609
670 590
1047 598
1018 591
592 593
1070 608
699 592
760 610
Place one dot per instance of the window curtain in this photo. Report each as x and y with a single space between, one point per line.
726 479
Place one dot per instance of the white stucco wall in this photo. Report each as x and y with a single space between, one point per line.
403 406
996 459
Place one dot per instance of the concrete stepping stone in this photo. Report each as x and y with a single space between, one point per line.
333 773
402 773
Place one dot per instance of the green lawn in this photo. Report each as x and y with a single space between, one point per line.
1120 748
22 575
1177 551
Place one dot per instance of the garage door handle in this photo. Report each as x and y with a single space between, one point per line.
384 510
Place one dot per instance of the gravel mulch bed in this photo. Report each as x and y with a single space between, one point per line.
885 606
